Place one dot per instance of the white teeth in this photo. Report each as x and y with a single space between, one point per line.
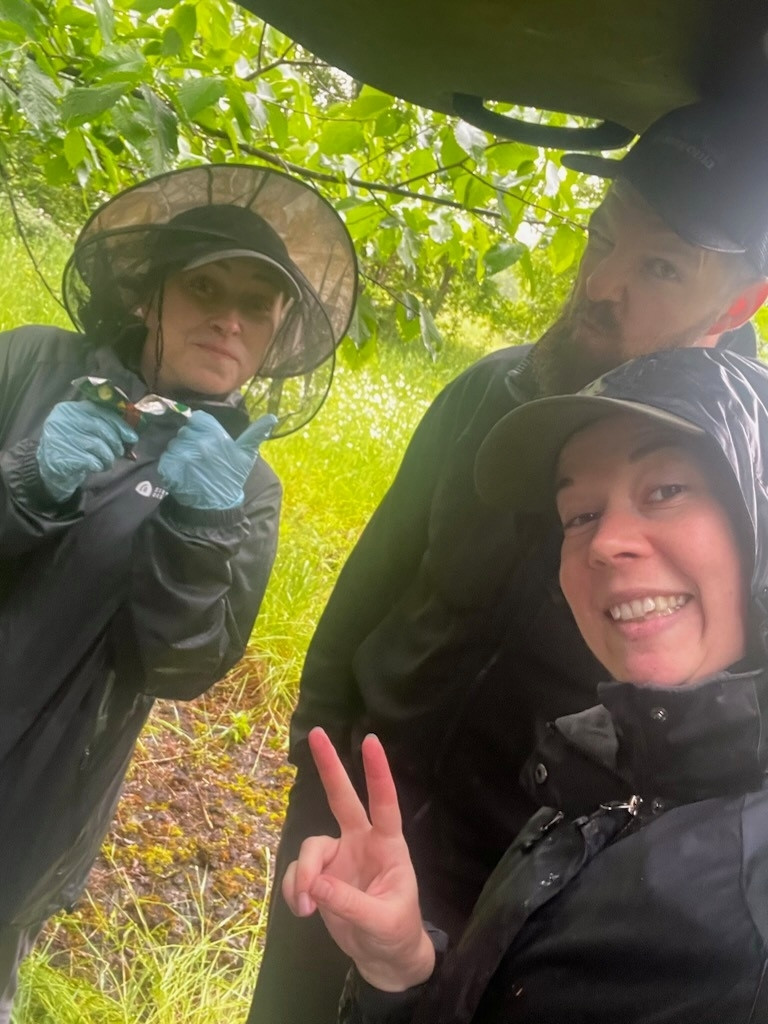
640 608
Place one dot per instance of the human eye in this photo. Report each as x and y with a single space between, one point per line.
572 523
663 270
666 492
258 304
200 285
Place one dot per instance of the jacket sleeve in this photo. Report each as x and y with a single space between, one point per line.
361 1003
385 560
198 581
28 515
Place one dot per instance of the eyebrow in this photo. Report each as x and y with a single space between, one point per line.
654 445
666 241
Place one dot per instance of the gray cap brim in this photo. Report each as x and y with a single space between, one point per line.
516 463
291 286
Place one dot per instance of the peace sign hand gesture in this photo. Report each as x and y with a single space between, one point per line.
363 883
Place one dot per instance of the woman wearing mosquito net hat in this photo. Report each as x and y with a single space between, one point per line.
139 523
636 893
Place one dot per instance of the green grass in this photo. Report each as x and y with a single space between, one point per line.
206 977
334 473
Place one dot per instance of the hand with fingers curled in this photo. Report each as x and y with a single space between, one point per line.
363 884
77 439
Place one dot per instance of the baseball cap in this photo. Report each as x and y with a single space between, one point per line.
220 232
704 169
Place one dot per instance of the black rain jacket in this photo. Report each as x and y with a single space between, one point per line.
116 597
644 898
447 634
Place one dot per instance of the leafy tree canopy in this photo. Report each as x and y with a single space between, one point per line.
97 94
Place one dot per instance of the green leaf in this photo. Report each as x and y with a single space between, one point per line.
38 97
57 171
565 246
75 149
172 43
503 255
81 105
278 124
407 249
119 63
340 137
105 17
388 123
164 131
407 318
239 107
370 103
508 156
451 152
364 325
184 20
363 219
470 139
22 15
150 6
431 338
196 94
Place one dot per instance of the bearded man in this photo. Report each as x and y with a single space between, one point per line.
447 634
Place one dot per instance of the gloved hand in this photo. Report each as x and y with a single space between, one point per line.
203 467
79 438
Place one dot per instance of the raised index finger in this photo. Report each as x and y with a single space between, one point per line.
342 797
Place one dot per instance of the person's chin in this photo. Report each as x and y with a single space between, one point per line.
211 384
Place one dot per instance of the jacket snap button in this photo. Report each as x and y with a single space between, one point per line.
540 773
659 714
658 805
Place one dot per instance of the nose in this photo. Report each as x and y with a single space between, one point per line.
607 280
620 534
228 319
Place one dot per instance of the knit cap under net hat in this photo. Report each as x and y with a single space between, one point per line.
135 240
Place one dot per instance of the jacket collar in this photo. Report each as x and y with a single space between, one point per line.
682 743
743 341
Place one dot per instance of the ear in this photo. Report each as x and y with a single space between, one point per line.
742 308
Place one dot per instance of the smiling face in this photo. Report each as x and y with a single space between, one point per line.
218 322
640 288
650 563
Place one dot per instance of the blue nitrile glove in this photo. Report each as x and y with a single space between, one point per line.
79 438
203 467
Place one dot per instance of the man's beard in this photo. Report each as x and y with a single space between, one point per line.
562 364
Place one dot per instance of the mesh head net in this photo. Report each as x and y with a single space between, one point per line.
129 246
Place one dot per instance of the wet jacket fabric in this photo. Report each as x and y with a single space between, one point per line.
644 898
108 601
448 636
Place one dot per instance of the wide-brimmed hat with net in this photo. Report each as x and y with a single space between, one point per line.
187 217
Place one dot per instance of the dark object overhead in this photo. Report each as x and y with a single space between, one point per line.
623 61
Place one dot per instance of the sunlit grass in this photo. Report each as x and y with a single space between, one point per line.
334 473
205 977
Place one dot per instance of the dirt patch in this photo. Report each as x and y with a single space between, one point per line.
198 823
